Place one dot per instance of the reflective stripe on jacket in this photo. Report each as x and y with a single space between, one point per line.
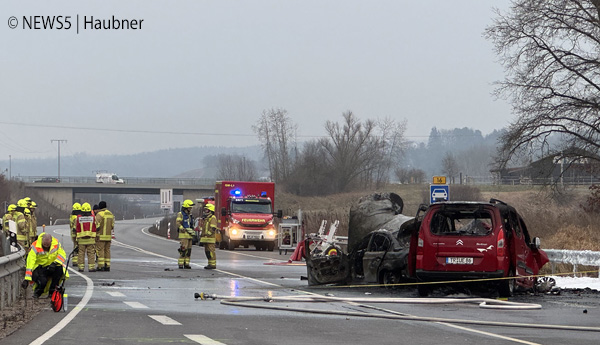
184 223
38 257
105 223
210 230
22 233
86 226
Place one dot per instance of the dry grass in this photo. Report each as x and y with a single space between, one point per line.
337 207
561 223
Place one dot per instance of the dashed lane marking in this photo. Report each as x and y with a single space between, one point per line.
165 320
202 339
136 305
115 294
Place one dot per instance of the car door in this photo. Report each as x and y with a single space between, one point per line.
531 267
521 248
380 243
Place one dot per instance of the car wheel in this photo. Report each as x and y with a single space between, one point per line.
507 286
544 284
270 246
230 245
390 279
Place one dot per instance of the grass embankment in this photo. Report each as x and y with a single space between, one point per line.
559 221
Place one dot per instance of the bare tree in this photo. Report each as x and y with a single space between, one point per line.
352 149
235 167
450 167
277 134
393 143
549 49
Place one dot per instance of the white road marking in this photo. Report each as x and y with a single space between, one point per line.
202 339
65 321
494 335
136 305
165 320
145 232
115 294
175 259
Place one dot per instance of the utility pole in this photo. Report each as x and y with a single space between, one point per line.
58 141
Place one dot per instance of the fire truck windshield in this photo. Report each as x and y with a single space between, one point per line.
243 206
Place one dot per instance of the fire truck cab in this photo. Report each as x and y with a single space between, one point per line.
246 214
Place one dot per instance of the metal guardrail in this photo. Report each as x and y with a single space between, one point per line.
10 277
573 257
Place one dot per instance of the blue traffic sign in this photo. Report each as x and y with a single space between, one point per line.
439 192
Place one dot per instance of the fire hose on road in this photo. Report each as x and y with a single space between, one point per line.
389 314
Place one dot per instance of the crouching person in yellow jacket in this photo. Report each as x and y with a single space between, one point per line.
46 260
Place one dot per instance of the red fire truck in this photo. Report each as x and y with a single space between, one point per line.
245 214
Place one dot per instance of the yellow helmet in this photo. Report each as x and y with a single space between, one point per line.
22 203
33 204
188 204
210 207
11 207
27 212
76 206
86 207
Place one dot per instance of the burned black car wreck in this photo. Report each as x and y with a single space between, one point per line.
379 238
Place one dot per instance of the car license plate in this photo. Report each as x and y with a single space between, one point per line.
459 261
252 237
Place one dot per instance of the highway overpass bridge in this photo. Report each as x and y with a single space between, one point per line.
62 192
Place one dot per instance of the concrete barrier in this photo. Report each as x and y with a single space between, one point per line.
11 276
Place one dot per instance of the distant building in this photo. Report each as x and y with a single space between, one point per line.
573 168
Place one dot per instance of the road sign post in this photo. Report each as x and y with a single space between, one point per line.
439 192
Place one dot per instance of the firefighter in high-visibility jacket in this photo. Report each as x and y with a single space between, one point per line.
8 216
85 225
105 223
209 232
27 214
32 221
185 227
73 224
22 230
46 260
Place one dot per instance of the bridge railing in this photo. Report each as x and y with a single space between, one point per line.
150 181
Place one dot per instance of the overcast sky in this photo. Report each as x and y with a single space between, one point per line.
212 67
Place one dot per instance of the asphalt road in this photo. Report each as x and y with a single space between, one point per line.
146 299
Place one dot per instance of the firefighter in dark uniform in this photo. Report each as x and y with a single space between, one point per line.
185 227
209 232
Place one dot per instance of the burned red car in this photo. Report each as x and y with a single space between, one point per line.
475 240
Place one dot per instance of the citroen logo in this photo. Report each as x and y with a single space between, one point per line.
459 243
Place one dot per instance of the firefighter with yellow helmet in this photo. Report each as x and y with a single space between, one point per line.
185 227
85 226
73 224
32 220
22 230
8 216
209 232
